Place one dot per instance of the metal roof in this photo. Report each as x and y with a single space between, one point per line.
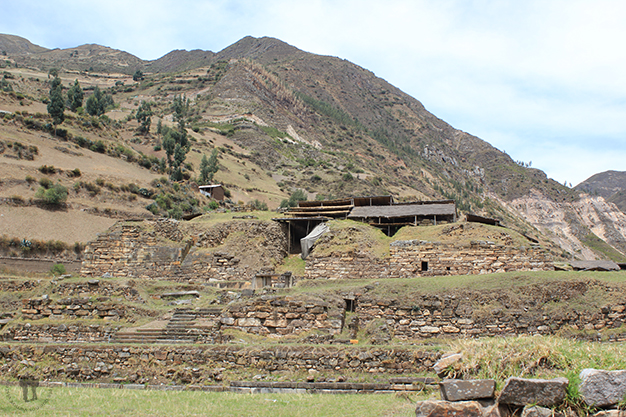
357 201
403 210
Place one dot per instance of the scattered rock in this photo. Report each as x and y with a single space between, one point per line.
601 388
542 392
446 361
448 409
460 390
535 411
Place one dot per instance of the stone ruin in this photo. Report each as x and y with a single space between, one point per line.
159 250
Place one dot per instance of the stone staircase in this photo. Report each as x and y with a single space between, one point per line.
179 329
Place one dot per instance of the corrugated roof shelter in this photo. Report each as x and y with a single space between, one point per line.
337 209
394 216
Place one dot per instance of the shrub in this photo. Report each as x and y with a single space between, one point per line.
30 179
258 205
17 199
45 169
45 182
213 205
58 269
53 196
99 147
93 189
74 173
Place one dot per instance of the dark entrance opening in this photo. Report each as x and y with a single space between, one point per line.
350 305
424 266
296 229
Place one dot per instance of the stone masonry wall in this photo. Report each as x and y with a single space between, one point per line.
416 258
129 250
47 333
70 308
87 362
284 315
411 258
346 266
447 316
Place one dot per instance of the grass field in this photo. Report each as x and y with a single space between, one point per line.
133 403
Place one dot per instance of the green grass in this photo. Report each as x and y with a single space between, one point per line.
134 403
212 219
534 357
600 246
389 287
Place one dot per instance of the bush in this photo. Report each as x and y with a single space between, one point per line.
45 169
258 205
99 147
58 269
74 173
45 182
213 205
93 189
54 196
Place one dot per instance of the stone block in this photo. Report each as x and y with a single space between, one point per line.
461 390
249 322
433 408
430 329
446 361
534 411
275 323
602 388
542 392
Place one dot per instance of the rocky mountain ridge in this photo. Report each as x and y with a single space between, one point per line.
332 128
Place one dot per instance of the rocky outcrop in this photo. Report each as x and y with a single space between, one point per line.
566 223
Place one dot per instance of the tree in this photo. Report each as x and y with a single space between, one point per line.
56 106
180 107
176 146
208 168
296 196
75 96
98 103
143 117
138 75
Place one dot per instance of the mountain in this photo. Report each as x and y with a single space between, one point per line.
283 119
15 45
609 184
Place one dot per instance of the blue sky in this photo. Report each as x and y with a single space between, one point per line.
542 80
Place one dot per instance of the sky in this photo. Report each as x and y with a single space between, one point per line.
542 80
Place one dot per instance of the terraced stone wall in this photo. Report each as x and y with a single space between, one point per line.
409 259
